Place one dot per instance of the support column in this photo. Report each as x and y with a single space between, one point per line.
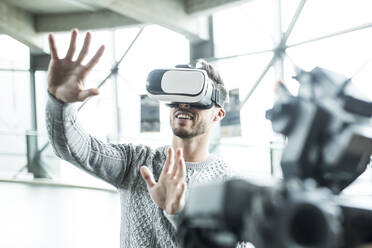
203 49
33 100
278 40
117 131
279 44
34 163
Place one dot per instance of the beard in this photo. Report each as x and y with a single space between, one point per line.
183 133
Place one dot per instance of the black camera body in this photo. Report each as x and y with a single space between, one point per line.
329 144
329 131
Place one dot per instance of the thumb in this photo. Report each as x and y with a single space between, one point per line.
147 176
87 93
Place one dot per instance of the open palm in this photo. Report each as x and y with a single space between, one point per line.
169 192
66 78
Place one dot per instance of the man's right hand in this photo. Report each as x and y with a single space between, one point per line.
65 76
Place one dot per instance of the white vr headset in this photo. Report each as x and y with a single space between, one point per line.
183 85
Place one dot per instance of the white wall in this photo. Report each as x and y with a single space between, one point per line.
44 216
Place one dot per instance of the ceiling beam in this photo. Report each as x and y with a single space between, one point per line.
197 7
167 13
83 21
19 24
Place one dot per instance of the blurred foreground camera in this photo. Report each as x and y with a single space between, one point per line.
329 144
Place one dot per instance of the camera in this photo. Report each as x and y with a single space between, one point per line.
328 145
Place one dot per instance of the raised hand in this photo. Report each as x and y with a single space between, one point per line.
169 192
65 76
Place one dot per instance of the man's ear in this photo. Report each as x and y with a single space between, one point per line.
220 114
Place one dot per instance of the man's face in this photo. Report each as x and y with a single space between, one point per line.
188 122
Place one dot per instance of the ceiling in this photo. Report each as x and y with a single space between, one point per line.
41 7
30 20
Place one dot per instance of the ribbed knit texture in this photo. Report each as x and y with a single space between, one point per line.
143 223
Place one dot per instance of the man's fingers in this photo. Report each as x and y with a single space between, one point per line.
169 162
72 48
87 93
177 166
182 193
52 47
85 49
181 172
96 58
147 176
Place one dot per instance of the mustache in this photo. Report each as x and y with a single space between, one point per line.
185 110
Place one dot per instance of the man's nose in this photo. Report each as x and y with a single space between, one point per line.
184 105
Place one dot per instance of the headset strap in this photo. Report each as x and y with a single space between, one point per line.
216 97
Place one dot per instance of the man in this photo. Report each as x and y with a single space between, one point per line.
152 183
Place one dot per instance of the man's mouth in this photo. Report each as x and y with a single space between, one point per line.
184 116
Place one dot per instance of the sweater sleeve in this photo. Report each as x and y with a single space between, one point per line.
173 219
70 142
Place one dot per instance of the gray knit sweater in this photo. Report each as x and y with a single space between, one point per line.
143 223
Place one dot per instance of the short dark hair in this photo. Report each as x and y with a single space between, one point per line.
215 77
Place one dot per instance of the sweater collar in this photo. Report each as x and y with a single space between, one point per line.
196 165
202 164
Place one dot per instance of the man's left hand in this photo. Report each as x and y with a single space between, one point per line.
169 192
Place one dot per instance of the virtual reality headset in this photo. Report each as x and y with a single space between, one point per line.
183 85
